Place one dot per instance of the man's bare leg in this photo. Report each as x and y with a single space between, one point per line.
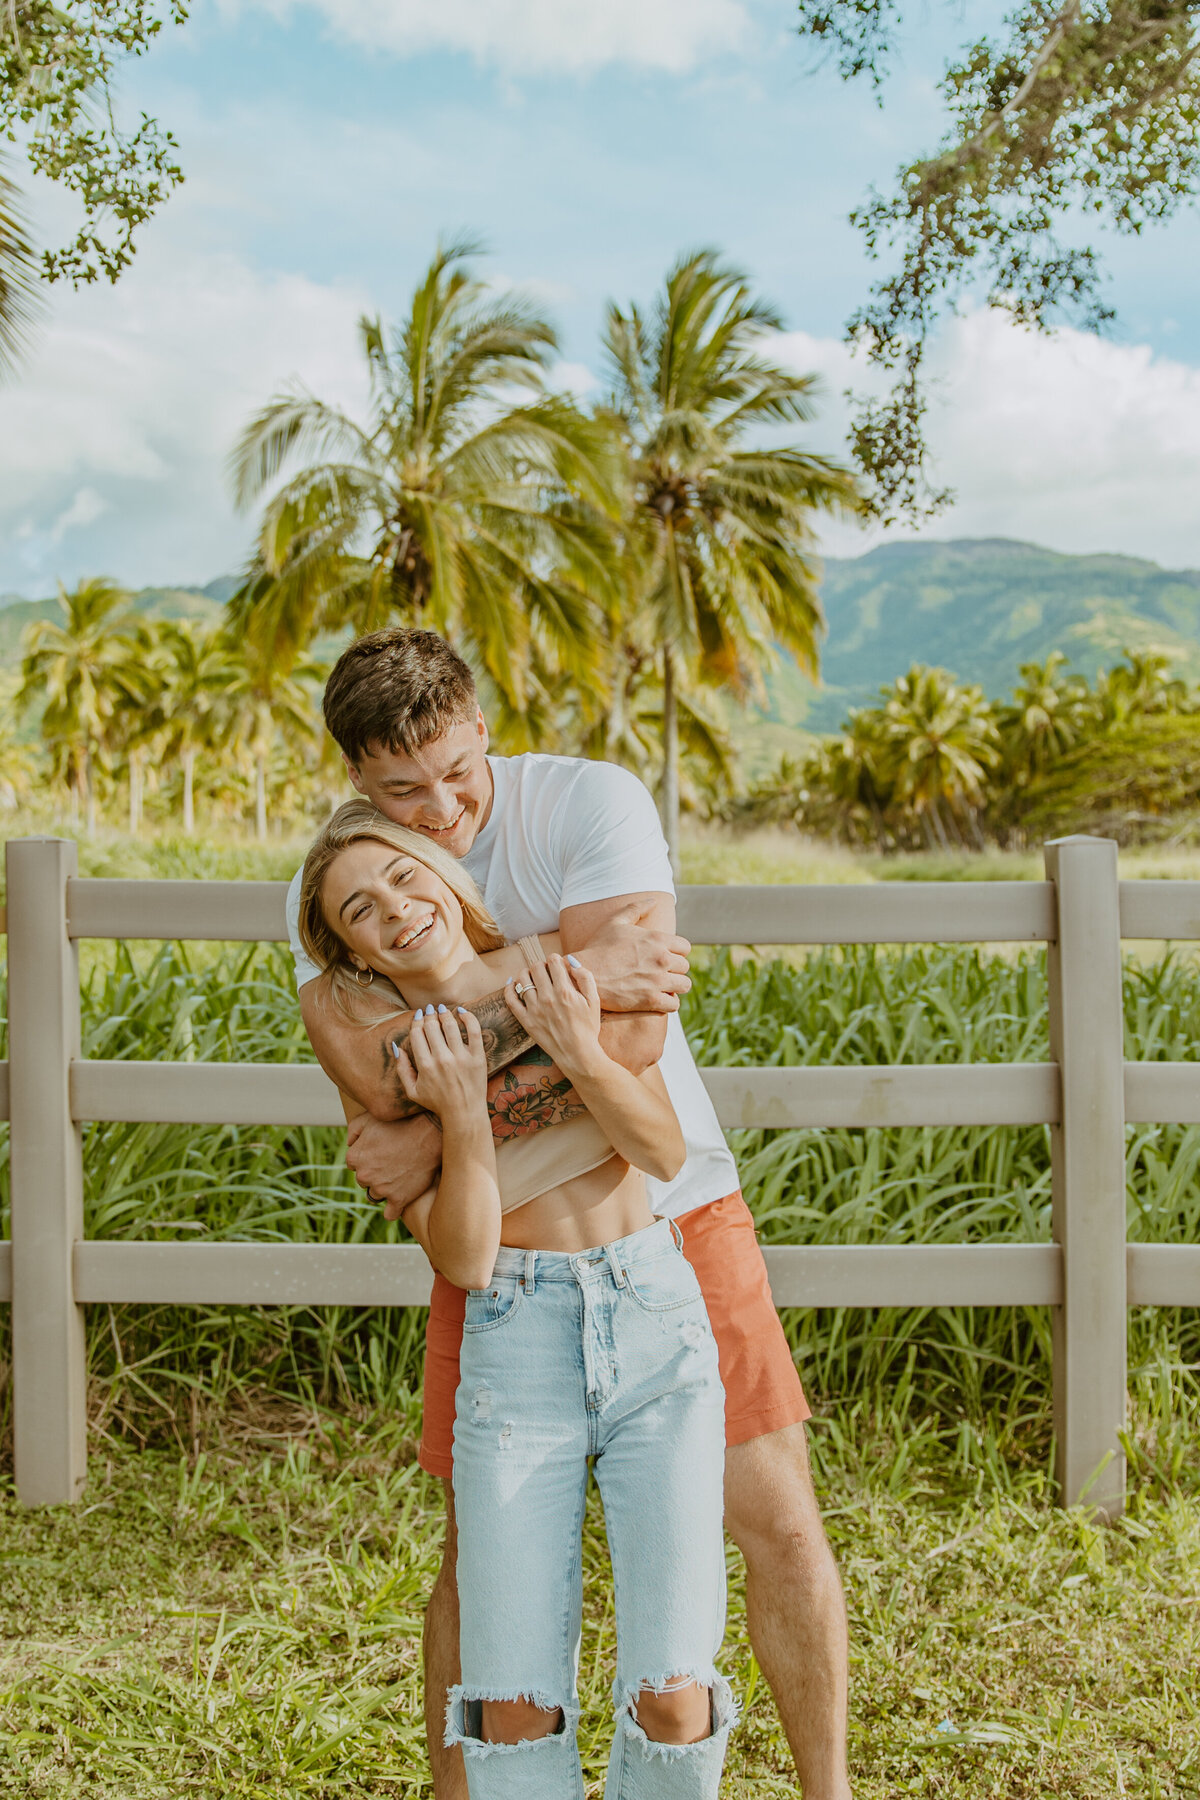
440 1645
795 1609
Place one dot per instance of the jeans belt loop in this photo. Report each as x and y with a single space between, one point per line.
677 1235
618 1273
530 1266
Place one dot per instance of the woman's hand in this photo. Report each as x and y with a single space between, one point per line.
559 1006
443 1066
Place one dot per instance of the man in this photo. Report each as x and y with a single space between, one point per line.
557 842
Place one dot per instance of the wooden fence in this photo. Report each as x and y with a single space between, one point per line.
1086 1093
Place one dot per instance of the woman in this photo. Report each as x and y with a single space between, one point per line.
585 1337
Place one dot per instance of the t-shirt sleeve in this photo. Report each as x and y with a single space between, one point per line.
612 841
306 968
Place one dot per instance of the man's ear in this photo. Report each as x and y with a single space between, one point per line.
356 780
481 727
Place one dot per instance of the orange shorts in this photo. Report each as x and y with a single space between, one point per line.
762 1388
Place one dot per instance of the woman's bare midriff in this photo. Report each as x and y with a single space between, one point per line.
596 1208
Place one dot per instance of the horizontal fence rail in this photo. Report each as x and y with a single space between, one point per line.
1084 1095
853 1275
880 1094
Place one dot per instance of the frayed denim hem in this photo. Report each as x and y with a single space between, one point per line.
459 1698
725 1712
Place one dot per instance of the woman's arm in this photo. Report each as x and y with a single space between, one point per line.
358 1050
444 1070
560 1009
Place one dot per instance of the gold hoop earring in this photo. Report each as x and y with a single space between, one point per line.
369 973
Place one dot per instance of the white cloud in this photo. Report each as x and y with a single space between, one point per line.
575 379
536 36
113 444
86 507
1069 440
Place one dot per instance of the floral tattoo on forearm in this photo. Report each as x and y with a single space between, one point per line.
532 1093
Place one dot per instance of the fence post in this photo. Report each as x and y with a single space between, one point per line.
1088 1173
49 1367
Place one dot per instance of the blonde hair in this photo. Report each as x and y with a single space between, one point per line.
350 824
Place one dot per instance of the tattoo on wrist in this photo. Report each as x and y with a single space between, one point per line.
504 1036
504 1040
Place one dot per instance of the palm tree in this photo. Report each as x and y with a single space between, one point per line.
1139 686
139 714
18 766
622 721
198 672
259 706
19 293
83 670
452 507
1050 712
857 773
718 536
945 741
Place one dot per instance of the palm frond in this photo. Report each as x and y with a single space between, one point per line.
20 289
292 424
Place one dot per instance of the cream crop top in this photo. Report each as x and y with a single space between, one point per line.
529 1166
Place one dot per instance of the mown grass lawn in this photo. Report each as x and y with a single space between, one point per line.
244 1620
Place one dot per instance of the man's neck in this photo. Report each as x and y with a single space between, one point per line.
487 811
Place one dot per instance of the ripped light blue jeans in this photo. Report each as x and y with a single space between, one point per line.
607 1354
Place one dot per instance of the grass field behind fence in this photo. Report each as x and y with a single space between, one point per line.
235 1608
975 1367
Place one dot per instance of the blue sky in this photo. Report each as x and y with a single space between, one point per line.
329 142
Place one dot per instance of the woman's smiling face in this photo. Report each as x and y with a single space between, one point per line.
392 912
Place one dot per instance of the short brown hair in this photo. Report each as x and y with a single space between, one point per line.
396 690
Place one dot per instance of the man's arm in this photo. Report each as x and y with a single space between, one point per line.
639 992
360 1058
628 946
631 948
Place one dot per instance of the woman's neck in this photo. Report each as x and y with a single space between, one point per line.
460 979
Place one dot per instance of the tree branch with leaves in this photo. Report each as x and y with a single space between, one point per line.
1070 108
58 73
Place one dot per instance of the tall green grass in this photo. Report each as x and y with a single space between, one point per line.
981 1373
971 1374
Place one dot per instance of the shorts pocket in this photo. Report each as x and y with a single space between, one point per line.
665 1284
490 1307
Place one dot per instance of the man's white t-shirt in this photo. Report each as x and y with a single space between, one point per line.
562 832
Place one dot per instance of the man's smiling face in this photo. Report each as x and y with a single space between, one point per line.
443 790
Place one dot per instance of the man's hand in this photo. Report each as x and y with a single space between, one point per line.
395 1162
636 968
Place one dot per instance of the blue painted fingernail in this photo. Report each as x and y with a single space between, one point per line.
441 1008
429 1010
461 1009
574 962
395 1049
510 981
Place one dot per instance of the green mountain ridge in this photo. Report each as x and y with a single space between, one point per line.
979 607
156 602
